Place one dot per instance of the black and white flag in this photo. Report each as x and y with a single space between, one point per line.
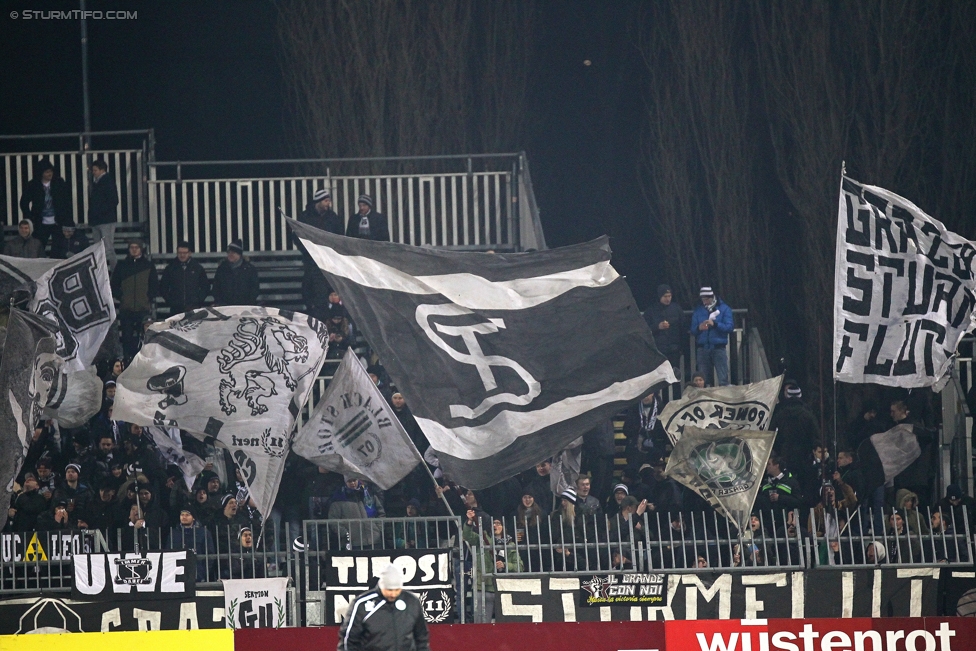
354 432
745 406
904 291
505 358
884 455
20 274
29 373
725 467
238 374
77 294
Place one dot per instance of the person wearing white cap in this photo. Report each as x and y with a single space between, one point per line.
319 213
711 324
386 618
366 224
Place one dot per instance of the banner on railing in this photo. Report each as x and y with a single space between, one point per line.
428 573
255 603
623 589
53 546
42 614
907 592
148 575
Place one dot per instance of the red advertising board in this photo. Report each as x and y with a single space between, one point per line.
853 634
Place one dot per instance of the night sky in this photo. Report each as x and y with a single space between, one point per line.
207 77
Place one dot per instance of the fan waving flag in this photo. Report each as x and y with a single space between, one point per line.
29 374
238 374
505 358
904 291
354 432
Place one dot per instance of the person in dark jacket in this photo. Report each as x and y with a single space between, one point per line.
26 507
185 285
24 244
798 429
103 200
386 618
46 201
315 289
664 318
70 241
780 490
711 323
135 286
236 280
366 224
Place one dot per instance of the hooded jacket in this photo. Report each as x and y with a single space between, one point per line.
32 201
374 624
669 340
19 247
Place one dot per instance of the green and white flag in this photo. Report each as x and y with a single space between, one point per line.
746 406
724 466
353 431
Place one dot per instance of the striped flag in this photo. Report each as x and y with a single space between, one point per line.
505 359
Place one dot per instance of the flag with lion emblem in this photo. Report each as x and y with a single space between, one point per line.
724 466
240 375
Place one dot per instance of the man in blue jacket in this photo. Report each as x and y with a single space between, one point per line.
711 324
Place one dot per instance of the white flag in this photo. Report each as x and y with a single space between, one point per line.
170 446
904 291
238 374
746 406
354 432
725 467
78 295
255 603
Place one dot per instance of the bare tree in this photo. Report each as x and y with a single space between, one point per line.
699 152
403 77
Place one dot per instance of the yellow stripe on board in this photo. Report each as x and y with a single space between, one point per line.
206 640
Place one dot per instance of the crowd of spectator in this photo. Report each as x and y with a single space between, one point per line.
109 474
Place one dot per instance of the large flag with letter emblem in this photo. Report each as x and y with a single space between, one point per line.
238 374
725 467
29 374
505 359
77 294
904 291
354 432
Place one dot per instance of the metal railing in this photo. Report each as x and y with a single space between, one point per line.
461 208
127 165
867 539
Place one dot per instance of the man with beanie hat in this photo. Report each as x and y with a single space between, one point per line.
366 224
315 289
68 242
236 280
711 324
386 618
134 286
664 319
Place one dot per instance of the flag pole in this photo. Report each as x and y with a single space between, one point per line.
423 463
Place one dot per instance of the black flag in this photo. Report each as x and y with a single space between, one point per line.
505 359
29 369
